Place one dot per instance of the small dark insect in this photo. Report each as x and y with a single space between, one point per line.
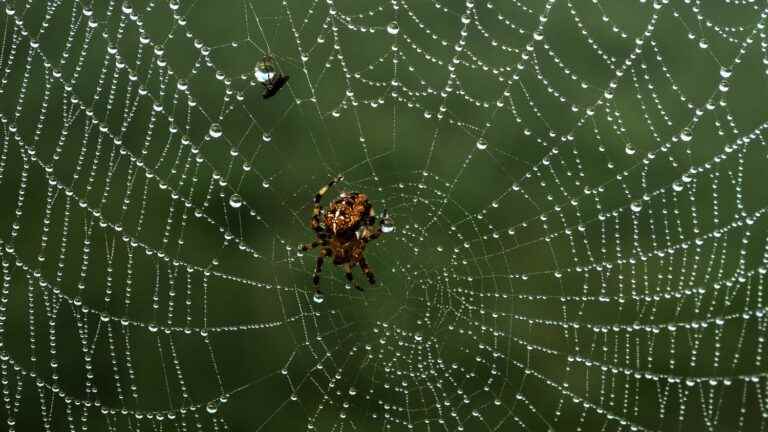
272 86
343 230
271 80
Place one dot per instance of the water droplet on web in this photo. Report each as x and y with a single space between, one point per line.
387 226
466 19
677 186
352 391
481 144
686 135
703 43
318 298
266 136
427 114
726 72
235 201
630 149
636 206
264 71
211 408
538 35
393 28
215 131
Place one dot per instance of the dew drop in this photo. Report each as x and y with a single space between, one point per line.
266 136
630 149
318 298
235 201
215 131
481 144
726 72
677 186
686 135
264 71
636 206
393 28
387 226
352 391
211 408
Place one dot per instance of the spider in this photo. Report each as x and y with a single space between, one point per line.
271 80
343 230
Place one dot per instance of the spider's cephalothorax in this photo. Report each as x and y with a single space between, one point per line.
272 80
343 231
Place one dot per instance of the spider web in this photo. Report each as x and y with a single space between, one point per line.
579 215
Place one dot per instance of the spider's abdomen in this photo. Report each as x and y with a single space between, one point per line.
345 213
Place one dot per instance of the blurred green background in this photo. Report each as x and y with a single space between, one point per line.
596 264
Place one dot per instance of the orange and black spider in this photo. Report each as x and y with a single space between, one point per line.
343 230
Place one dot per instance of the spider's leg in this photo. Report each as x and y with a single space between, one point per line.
315 221
314 244
350 278
370 216
378 231
367 271
373 236
319 267
324 189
